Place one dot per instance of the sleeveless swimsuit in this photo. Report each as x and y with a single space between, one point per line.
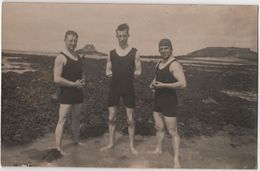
121 83
72 71
165 100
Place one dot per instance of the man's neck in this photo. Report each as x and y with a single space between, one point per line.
171 57
70 53
123 46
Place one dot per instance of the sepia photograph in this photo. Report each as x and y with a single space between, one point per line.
125 85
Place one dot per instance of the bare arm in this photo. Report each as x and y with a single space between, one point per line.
138 68
152 84
60 61
154 79
109 67
177 71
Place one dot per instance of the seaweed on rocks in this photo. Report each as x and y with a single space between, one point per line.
28 112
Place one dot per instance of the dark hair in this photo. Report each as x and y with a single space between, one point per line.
71 32
122 27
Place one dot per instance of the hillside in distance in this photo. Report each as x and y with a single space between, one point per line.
243 53
90 49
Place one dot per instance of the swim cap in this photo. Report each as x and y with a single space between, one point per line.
165 42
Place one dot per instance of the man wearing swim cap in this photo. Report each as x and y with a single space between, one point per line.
169 77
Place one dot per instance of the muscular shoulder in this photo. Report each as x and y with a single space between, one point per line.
137 55
60 59
135 51
112 52
175 66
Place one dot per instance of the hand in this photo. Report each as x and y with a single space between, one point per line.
158 85
109 74
78 84
152 84
137 73
82 81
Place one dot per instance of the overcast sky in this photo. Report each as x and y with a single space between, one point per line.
41 26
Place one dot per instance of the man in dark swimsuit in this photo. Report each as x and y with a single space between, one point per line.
68 75
169 76
123 64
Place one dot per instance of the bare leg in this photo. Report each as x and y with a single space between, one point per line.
75 125
171 123
159 125
131 129
112 128
63 112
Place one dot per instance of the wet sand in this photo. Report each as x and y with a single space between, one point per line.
218 152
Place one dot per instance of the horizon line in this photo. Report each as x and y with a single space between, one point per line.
51 53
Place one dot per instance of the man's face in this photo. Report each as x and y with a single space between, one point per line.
71 42
122 37
165 51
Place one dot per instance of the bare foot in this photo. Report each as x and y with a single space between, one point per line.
156 151
107 147
134 151
62 152
79 144
177 164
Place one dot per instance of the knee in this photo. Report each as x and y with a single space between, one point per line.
159 128
130 123
112 121
173 132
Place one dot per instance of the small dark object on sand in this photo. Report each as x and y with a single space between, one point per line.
52 154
